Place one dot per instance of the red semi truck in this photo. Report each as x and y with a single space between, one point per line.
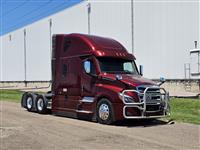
95 78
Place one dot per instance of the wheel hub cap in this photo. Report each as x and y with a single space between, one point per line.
40 104
29 102
104 111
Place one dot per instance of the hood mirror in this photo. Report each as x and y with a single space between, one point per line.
162 80
141 70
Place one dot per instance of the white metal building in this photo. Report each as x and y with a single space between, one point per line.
159 33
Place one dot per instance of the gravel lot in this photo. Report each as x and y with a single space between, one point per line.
24 130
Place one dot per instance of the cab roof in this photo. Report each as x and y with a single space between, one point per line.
84 44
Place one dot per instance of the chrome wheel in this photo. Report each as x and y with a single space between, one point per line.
29 102
40 104
104 111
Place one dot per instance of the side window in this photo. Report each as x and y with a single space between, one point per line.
67 44
64 70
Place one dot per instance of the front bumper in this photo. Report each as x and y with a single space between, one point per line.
148 107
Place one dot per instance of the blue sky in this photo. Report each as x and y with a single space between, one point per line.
15 14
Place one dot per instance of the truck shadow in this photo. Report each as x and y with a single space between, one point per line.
123 123
142 123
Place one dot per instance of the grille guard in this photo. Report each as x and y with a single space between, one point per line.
142 104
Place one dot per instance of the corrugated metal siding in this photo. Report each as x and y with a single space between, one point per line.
164 33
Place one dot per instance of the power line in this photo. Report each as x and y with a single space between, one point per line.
18 6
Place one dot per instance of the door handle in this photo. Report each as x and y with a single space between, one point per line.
64 90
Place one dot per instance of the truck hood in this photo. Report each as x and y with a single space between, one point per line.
129 79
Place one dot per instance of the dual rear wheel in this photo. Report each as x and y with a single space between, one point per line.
41 104
29 103
36 103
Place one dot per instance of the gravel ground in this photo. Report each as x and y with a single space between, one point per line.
24 130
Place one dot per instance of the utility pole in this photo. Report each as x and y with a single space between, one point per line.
132 26
25 79
89 11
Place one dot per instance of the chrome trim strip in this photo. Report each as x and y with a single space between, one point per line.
87 99
84 111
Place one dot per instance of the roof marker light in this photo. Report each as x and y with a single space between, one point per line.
99 53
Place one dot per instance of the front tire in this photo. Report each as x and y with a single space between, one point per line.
105 113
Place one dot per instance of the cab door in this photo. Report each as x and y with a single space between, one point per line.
73 85
69 88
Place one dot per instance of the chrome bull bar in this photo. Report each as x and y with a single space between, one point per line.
142 104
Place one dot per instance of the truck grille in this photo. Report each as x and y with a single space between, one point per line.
153 96
153 107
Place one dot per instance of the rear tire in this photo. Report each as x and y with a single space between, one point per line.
29 102
41 104
23 100
105 113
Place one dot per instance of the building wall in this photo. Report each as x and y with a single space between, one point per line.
1 49
112 19
38 51
163 34
12 57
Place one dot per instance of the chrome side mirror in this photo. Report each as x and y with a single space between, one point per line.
141 70
87 66
162 80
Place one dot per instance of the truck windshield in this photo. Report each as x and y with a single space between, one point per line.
117 65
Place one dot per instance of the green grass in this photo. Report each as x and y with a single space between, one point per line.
182 110
11 95
185 110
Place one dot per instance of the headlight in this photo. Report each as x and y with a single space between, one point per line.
127 98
